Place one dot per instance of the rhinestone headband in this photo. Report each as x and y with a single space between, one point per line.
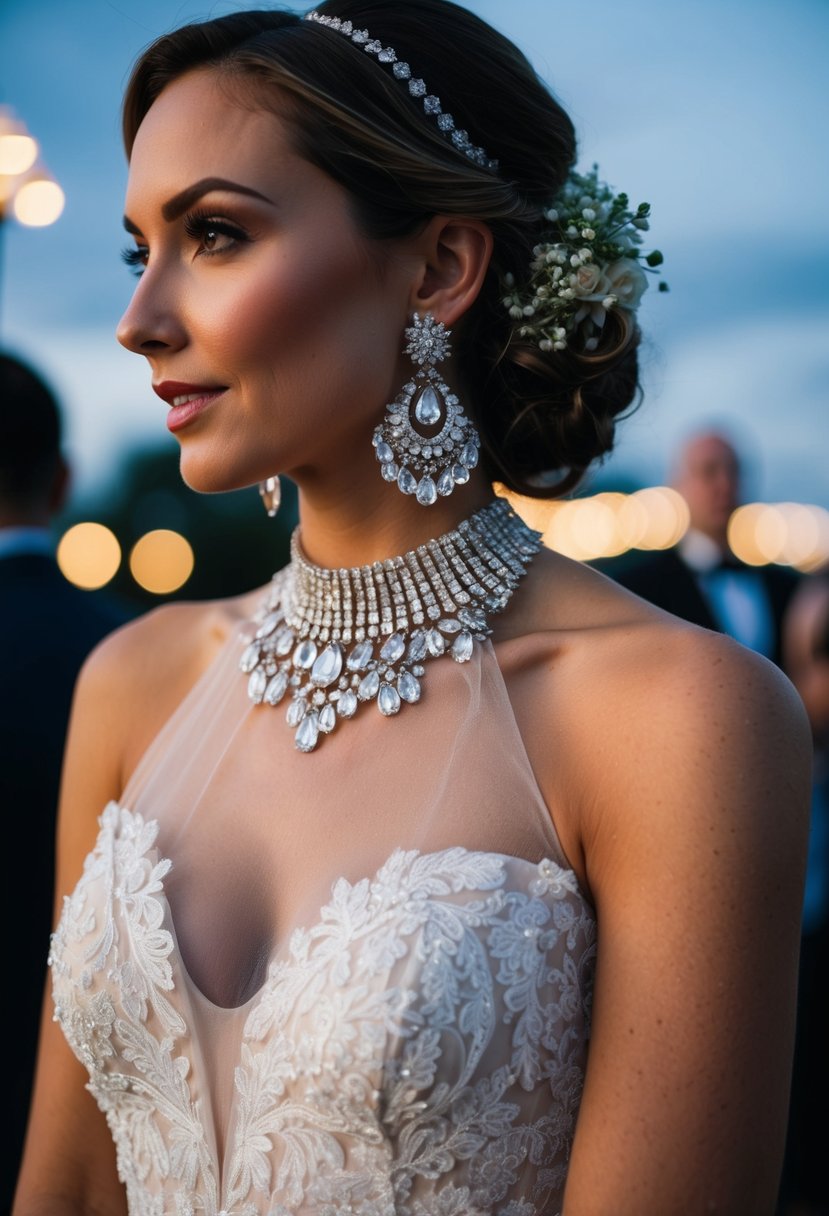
417 87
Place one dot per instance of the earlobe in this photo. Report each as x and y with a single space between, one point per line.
456 252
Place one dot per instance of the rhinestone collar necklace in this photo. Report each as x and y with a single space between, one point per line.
336 640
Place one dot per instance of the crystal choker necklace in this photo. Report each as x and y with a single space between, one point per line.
336 640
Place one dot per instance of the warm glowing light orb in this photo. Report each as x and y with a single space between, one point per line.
38 202
161 561
17 154
89 555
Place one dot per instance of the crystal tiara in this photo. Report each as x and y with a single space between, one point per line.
417 87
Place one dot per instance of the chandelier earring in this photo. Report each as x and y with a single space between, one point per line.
426 443
270 491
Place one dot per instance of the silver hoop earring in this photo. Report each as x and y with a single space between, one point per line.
271 493
426 443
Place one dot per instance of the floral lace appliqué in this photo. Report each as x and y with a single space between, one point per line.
419 1051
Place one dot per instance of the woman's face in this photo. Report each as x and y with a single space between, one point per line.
258 294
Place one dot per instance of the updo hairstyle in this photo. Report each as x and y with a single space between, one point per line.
536 411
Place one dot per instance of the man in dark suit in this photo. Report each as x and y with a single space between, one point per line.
47 627
700 579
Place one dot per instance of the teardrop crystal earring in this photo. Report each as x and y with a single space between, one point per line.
271 492
426 443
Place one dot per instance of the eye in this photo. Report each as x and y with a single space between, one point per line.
136 258
214 235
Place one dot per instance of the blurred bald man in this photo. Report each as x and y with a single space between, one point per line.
700 579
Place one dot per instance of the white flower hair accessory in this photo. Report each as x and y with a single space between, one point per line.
590 263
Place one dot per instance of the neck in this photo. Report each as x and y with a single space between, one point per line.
343 527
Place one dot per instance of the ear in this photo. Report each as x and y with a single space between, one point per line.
455 253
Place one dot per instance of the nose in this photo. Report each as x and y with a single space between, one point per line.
151 323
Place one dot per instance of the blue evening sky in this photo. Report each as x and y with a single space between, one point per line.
713 111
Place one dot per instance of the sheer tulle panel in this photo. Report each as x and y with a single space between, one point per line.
257 832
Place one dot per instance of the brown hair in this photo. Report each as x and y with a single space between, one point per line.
350 117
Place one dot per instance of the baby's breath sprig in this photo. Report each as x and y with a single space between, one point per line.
589 263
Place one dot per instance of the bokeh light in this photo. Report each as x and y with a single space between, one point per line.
609 524
789 533
89 555
162 561
17 153
38 202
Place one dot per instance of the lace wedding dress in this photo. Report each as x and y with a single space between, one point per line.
351 982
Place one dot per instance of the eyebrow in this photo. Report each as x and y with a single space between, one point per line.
181 202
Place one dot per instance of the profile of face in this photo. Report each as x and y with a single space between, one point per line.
258 294
708 477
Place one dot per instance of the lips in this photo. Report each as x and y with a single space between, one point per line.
176 392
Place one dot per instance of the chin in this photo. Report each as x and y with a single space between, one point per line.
212 477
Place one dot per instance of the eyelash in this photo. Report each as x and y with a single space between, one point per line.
197 225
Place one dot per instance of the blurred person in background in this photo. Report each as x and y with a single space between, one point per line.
47 628
700 579
806 656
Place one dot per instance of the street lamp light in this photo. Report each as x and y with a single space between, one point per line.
27 189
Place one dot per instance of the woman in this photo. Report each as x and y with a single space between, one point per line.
346 963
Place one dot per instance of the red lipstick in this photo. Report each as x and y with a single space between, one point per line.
187 401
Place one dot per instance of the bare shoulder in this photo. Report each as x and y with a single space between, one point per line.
629 703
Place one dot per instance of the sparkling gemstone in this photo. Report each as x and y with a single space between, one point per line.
384 453
409 688
427 410
305 654
257 684
368 686
473 618
435 643
449 625
389 471
276 688
406 482
308 733
427 452
327 666
284 642
431 104
446 122
426 492
327 718
417 646
388 700
269 624
455 434
469 455
462 647
461 474
360 656
446 483
387 55
419 672
347 705
402 71
296 711
250 657
394 649
417 88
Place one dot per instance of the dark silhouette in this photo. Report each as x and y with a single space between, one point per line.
47 627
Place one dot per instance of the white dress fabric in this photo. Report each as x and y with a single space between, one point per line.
356 981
